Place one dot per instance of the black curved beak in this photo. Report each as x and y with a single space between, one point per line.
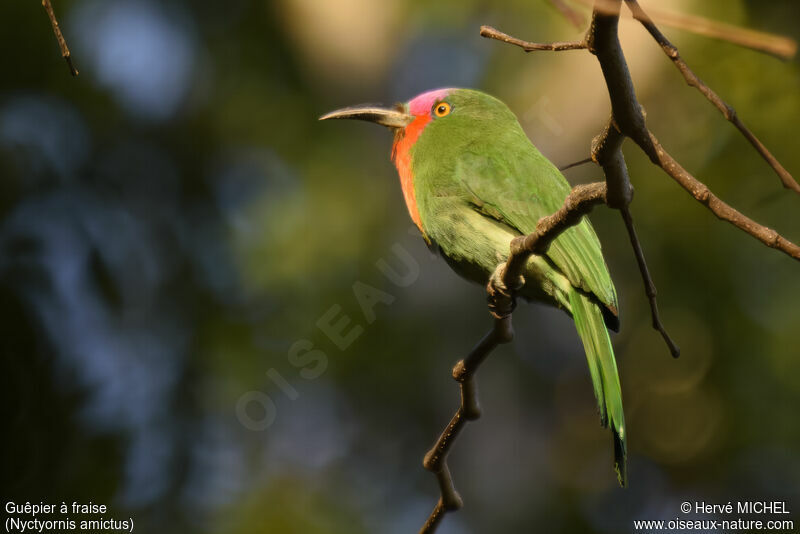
392 118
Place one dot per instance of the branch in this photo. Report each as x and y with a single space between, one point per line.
649 286
469 410
575 164
692 80
607 147
492 33
777 46
774 45
627 120
578 203
62 43
723 211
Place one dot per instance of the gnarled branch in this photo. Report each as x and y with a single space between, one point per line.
627 121
692 80
469 410
703 194
768 43
578 203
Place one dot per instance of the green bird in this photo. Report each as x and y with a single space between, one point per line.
473 181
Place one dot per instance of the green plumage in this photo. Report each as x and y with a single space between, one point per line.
479 182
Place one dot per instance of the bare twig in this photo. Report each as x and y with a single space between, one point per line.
775 45
570 14
469 410
723 211
727 111
649 286
778 46
500 290
62 43
627 120
575 164
492 33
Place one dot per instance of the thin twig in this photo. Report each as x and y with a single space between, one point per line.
607 151
778 46
469 410
627 120
62 43
575 164
578 203
723 211
649 286
500 290
433 521
692 80
492 33
570 14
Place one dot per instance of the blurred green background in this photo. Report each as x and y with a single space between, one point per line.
174 220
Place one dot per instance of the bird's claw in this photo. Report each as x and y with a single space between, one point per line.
499 295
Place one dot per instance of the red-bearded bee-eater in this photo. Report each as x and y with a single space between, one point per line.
473 181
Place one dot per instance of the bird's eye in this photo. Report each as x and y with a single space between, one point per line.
441 109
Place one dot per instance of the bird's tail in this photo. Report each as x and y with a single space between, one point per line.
603 368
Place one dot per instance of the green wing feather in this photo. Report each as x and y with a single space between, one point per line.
520 188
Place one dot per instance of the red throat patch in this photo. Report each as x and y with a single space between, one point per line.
420 107
401 156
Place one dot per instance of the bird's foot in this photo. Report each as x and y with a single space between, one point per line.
501 296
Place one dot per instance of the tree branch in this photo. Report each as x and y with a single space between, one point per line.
649 286
578 203
723 211
692 80
62 43
778 46
575 164
469 410
627 120
492 33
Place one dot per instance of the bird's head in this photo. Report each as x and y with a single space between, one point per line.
448 110
422 108
436 127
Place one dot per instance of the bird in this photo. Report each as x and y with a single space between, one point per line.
472 181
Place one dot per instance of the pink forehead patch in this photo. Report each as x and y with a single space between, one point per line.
421 105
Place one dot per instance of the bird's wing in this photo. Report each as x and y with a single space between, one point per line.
518 187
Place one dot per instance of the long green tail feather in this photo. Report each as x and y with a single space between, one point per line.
603 369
